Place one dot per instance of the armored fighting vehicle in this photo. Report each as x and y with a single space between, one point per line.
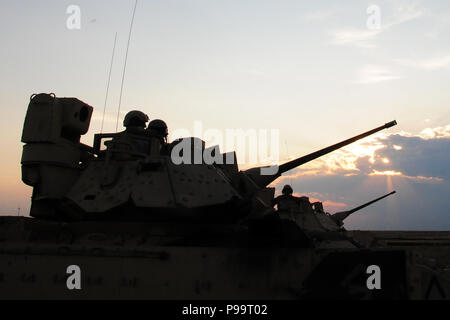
137 216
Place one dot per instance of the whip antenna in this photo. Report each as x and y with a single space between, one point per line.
125 64
109 80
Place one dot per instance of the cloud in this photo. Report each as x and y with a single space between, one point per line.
423 157
405 13
416 166
434 63
363 38
415 206
436 133
352 36
419 157
374 74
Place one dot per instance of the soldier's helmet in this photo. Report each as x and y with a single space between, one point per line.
158 127
287 189
135 118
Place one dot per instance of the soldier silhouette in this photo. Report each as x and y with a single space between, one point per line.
135 122
287 203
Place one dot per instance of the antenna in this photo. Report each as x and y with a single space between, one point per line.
125 64
109 80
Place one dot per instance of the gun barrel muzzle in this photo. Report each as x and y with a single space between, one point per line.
390 124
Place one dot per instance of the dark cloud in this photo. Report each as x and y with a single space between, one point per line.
364 165
418 157
422 201
415 206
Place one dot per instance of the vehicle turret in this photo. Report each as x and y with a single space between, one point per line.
136 174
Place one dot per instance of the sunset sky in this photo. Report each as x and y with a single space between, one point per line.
314 71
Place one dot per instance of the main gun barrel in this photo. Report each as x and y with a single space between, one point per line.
302 160
261 180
